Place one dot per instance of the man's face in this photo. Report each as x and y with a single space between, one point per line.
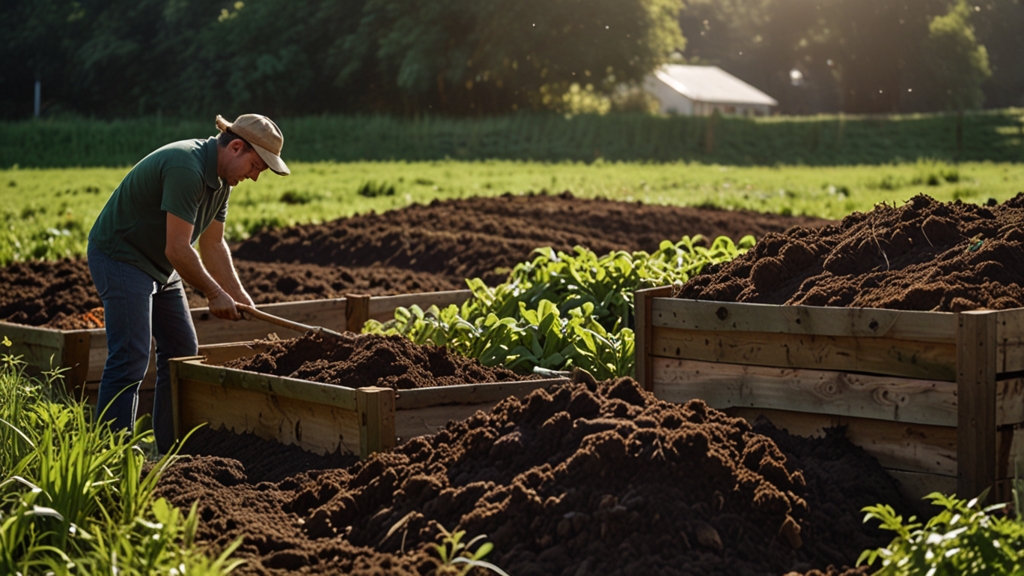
242 162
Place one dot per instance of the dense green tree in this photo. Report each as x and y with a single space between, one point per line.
37 40
489 56
111 58
998 24
956 63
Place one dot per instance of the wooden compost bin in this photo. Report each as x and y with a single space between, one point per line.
320 418
85 351
936 397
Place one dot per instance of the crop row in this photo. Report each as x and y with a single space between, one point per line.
560 311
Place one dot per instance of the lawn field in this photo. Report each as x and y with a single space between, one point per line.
47 213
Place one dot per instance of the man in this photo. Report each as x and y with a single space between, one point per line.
140 251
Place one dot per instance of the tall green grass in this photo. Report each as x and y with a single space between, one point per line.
996 136
74 497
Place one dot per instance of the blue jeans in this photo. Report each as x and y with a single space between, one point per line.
136 309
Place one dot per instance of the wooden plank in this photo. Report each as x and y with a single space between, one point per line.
97 355
807 320
896 445
177 416
327 394
927 360
805 390
76 357
426 420
916 485
1010 340
976 388
313 426
643 334
828 392
376 419
357 312
40 348
20 334
469 393
1010 401
382 308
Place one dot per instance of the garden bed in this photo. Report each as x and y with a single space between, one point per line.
357 393
85 351
917 353
599 478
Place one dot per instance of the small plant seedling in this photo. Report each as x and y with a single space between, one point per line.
455 555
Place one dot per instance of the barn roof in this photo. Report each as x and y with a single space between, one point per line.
711 84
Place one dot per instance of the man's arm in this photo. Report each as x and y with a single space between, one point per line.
186 261
216 257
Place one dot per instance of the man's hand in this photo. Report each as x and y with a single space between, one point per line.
222 305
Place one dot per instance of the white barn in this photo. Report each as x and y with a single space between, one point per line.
700 90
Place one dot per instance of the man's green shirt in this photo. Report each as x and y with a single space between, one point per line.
180 178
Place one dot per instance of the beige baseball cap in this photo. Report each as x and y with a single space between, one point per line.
262 134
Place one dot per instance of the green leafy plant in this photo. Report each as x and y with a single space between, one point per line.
560 311
962 539
456 556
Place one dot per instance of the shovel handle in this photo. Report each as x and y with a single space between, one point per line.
274 319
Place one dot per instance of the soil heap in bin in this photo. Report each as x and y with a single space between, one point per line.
419 248
924 255
358 360
577 479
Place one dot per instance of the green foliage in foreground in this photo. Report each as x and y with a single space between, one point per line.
47 213
73 495
559 311
963 539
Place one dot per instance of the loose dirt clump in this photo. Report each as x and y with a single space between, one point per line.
358 360
924 255
261 460
577 479
419 248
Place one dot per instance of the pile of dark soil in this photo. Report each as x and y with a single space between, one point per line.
924 255
358 360
602 479
420 248
261 460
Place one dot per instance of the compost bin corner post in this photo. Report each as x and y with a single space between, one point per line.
642 302
357 311
376 408
976 403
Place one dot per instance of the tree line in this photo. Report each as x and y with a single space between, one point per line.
126 58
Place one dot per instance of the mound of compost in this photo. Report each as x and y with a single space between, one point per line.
577 479
924 255
358 360
420 248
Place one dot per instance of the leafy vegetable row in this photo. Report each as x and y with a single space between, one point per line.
560 311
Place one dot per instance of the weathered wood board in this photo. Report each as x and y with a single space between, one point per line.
321 418
937 397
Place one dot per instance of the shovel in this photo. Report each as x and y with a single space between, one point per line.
284 322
